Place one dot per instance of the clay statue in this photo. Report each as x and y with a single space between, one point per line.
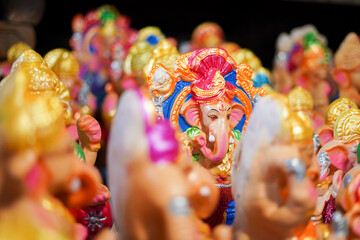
97 214
347 68
312 73
64 64
208 99
157 193
338 154
290 49
42 177
271 159
100 41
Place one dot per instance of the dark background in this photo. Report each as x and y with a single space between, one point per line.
252 24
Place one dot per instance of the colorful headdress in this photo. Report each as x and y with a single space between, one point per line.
300 99
347 126
205 75
336 108
347 56
315 54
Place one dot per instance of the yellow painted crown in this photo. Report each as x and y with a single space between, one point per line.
347 126
300 99
337 107
28 120
16 50
62 62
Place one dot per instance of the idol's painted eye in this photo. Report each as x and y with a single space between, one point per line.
213 117
228 116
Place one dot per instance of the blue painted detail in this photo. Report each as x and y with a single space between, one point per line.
230 213
169 102
231 78
260 79
152 40
97 85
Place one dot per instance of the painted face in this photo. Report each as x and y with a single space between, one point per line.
318 74
215 114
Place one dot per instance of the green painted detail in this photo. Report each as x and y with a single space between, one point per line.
107 15
79 152
192 132
196 157
358 153
237 134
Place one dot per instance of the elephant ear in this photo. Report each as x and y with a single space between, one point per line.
341 78
338 158
191 112
326 135
237 112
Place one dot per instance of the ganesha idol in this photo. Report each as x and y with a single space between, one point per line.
336 158
273 174
40 174
208 98
138 63
313 72
64 64
157 192
100 41
41 81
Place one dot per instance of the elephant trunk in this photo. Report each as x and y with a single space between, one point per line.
220 149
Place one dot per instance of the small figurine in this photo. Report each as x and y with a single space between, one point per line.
66 67
271 161
208 98
312 73
42 176
100 42
157 193
96 215
298 55
347 67
141 52
300 100
338 154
